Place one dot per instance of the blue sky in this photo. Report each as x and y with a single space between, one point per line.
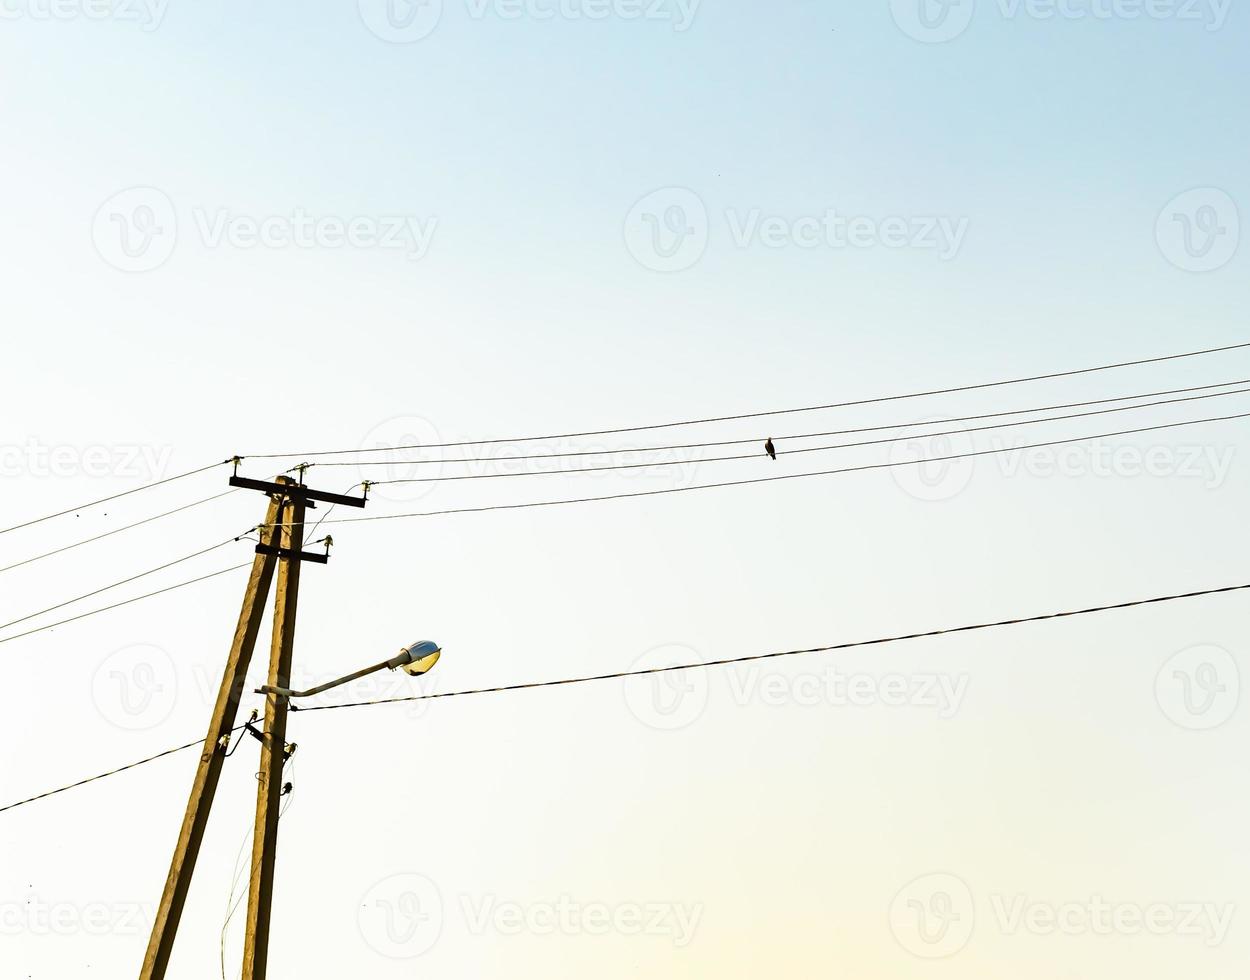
255 229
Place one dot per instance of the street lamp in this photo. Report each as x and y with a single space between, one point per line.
416 660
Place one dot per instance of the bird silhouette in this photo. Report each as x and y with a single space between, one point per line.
770 448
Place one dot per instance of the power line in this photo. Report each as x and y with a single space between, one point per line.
125 602
807 449
111 772
124 493
785 476
118 530
700 665
728 661
782 411
757 439
125 581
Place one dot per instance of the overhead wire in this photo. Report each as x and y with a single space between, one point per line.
125 602
106 775
868 467
115 496
127 580
756 439
755 657
117 530
653 464
697 665
774 412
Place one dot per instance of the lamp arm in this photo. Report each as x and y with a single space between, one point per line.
396 661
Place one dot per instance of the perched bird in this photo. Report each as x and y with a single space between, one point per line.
770 448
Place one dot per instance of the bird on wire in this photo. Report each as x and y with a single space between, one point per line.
770 448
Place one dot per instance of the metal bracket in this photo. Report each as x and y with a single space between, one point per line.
296 490
268 549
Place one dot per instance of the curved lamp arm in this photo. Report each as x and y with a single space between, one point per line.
416 660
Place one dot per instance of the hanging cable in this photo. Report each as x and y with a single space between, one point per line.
783 411
116 496
807 449
126 581
699 665
729 661
784 476
117 530
111 772
125 602
794 435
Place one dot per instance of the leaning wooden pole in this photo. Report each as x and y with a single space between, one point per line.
273 747
169 913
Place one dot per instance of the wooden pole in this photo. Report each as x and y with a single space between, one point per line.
273 747
169 912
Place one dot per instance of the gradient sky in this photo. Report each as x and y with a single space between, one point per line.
1089 173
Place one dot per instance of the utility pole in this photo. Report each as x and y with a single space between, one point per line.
273 753
281 546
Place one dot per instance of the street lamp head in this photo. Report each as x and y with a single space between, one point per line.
419 658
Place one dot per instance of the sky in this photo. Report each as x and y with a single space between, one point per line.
268 229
